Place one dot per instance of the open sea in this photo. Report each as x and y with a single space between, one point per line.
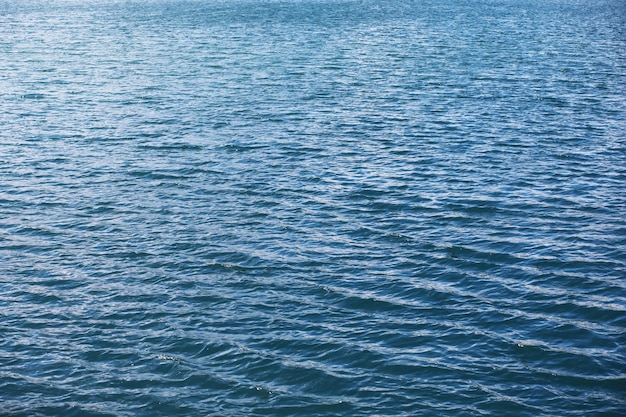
312 208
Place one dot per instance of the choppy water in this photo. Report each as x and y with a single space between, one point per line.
301 207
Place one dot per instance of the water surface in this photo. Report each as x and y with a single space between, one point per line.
312 207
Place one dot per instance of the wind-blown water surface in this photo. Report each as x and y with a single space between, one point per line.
309 207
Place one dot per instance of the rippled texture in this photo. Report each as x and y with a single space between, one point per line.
253 208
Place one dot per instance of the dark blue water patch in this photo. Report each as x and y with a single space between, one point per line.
33 96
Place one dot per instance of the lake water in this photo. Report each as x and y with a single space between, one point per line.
312 208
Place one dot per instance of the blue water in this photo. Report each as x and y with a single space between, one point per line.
312 208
